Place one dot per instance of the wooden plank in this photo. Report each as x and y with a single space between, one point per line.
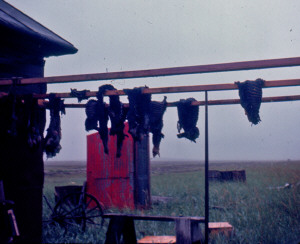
177 89
216 102
180 89
216 228
197 69
157 240
151 217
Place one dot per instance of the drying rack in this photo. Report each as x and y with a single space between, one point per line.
198 69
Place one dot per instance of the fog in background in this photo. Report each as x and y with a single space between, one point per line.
132 35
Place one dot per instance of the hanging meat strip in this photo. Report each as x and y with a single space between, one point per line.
102 113
5 115
188 117
157 111
31 108
117 114
9 122
81 95
250 93
23 118
91 111
139 112
53 137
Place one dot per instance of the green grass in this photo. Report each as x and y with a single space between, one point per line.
259 214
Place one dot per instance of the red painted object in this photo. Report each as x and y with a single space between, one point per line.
111 179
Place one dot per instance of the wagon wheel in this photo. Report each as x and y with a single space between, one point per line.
78 209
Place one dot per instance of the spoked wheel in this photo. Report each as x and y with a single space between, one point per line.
78 209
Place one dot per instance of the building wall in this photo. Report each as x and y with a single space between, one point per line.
21 166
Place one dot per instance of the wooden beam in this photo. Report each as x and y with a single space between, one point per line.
198 69
217 102
180 89
153 217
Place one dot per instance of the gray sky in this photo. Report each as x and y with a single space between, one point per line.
130 35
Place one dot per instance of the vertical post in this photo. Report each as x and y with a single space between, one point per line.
142 196
206 171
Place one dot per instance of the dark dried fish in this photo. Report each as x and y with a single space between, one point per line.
117 114
97 118
91 111
31 111
188 117
157 111
102 117
22 118
250 93
80 95
52 141
139 112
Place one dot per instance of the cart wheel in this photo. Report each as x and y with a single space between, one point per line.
78 209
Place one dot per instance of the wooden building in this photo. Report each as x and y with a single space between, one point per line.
24 43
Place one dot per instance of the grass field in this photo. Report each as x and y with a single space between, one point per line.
258 211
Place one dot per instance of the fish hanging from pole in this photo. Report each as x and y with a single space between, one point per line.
22 118
157 110
250 93
117 114
97 116
138 115
98 111
31 109
103 116
188 117
91 111
52 141
80 95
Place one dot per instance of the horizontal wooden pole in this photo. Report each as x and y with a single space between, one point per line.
153 217
217 102
180 89
198 69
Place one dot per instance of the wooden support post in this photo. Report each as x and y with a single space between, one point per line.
142 196
120 226
187 231
206 170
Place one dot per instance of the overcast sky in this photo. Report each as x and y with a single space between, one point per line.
131 35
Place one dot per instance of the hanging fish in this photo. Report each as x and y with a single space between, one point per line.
117 114
91 111
32 120
102 117
188 117
6 115
96 111
250 93
9 121
139 112
80 95
52 141
157 110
